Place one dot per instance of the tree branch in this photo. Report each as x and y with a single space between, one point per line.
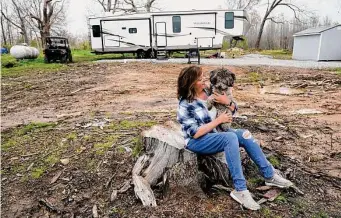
14 24
271 19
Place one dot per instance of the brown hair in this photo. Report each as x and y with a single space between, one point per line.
186 80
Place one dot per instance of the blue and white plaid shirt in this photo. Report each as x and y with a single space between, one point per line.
193 115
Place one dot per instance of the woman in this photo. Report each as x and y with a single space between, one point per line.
198 127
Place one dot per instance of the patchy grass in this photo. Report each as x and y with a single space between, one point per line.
255 181
254 76
71 136
129 124
278 54
102 147
321 214
12 67
32 126
274 161
8 144
52 159
38 172
337 71
281 199
138 146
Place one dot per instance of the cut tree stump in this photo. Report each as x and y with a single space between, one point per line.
166 162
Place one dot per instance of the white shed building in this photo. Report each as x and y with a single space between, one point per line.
318 44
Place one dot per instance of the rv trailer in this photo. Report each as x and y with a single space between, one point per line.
147 33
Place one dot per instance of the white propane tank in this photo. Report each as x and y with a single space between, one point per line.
24 52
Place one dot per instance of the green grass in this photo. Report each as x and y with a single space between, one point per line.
32 126
11 67
138 147
274 161
128 124
278 54
337 71
37 172
7 145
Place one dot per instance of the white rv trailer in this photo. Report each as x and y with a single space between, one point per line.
167 31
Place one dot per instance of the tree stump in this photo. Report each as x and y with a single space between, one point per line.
166 162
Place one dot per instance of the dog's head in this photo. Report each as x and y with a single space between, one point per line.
221 79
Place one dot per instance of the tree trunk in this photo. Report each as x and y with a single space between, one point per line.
260 32
168 164
3 32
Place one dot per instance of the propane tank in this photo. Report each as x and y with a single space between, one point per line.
24 52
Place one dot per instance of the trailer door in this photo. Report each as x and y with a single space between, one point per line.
161 34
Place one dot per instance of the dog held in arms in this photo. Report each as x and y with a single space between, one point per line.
222 81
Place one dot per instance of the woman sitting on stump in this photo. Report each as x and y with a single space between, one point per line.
198 127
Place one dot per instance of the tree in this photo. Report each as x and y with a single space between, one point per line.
126 6
46 16
108 6
270 8
19 15
242 4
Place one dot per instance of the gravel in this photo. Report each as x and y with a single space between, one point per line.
247 60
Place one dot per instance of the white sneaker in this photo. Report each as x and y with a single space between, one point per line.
278 181
245 199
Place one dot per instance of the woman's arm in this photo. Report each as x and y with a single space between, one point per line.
204 129
223 99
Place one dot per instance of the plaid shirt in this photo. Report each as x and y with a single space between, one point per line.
193 115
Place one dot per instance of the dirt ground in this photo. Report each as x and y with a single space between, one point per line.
70 137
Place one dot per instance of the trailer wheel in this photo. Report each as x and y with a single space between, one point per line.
151 53
141 54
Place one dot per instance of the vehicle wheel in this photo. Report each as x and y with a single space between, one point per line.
141 54
46 60
64 59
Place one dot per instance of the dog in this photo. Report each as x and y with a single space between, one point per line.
222 81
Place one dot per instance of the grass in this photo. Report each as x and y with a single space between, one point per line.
278 54
274 161
32 126
71 136
128 124
11 67
7 145
37 172
138 147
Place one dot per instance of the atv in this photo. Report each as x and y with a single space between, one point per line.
57 49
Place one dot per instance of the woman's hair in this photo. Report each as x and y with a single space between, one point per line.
186 81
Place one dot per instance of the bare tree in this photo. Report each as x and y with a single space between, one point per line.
19 20
242 4
127 6
108 5
48 15
271 5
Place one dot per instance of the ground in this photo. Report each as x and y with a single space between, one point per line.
70 136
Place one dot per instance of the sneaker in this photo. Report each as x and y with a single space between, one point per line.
245 199
278 181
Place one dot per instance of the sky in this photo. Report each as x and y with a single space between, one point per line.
78 10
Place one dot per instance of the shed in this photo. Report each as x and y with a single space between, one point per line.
318 44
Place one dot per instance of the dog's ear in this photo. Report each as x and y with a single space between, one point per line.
213 77
233 79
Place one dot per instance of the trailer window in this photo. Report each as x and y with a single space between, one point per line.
96 31
176 24
132 30
229 20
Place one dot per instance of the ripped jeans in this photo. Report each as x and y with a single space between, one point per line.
229 142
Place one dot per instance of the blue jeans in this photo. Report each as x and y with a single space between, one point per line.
229 142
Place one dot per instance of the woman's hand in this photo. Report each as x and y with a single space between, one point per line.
224 118
221 99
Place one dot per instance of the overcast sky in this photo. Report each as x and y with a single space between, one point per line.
80 9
